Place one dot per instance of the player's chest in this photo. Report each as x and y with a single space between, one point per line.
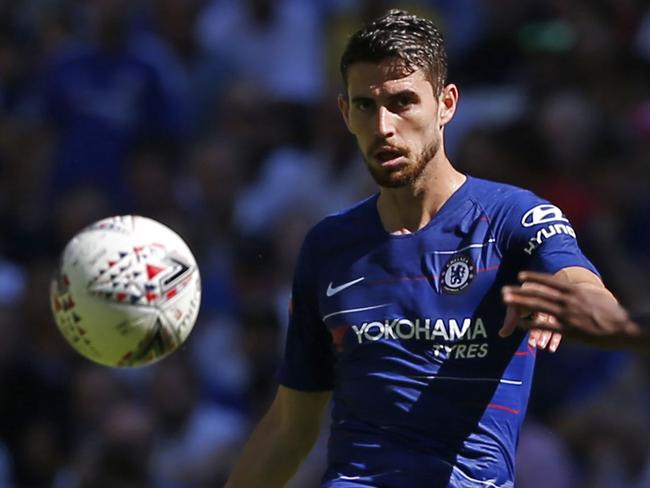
434 274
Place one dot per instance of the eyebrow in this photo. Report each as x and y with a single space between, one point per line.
361 98
406 92
391 96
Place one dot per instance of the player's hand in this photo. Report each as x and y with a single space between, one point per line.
541 336
576 311
542 325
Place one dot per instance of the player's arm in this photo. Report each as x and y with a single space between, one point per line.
281 440
538 236
582 307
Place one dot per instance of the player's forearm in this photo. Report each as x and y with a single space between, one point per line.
270 457
627 333
582 308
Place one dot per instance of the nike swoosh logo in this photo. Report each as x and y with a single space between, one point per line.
333 290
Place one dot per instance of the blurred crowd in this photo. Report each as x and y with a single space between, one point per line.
219 119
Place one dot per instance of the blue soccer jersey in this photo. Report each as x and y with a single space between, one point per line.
403 329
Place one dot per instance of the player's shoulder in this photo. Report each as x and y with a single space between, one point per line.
497 197
346 225
513 210
498 193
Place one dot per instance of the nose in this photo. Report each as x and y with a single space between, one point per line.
385 122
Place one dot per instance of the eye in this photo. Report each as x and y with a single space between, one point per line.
363 104
403 102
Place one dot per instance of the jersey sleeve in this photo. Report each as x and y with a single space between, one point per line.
539 235
308 362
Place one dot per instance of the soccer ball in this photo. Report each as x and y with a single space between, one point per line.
127 291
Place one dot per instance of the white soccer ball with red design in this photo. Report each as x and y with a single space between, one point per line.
127 292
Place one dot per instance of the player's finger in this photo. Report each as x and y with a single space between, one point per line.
544 324
543 290
533 337
510 322
532 298
544 338
544 279
556 338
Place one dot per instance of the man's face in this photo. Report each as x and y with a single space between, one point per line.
396 119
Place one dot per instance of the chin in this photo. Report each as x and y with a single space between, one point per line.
396 178
393 180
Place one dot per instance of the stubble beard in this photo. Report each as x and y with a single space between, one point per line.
407 175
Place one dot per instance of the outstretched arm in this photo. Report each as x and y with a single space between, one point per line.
587 313
281 440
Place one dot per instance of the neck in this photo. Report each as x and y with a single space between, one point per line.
410 208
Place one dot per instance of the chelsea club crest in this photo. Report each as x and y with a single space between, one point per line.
457 274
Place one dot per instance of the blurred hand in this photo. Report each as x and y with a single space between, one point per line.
543 326
574 310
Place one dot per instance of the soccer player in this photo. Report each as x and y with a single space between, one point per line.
396 302
577 311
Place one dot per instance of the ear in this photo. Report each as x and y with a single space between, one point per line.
344 107
447 103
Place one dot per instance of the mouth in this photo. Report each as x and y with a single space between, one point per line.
388 156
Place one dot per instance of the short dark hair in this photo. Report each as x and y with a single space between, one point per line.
415 40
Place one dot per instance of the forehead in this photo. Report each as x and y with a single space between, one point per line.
388 76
